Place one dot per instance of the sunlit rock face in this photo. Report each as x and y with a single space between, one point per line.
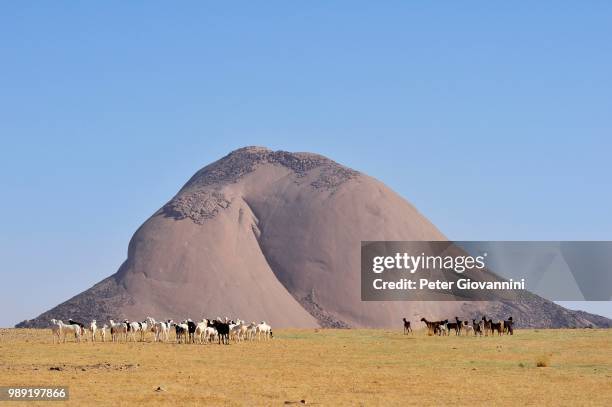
275 236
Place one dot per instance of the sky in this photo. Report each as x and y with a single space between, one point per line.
493 119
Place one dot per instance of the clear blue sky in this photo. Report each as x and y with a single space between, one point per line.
495 120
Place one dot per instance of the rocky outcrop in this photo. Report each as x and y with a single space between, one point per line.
275 236
201 198
102 302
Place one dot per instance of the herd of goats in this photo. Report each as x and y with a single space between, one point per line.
483 327
225 330
188 331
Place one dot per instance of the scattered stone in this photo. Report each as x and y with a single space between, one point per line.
159 388
57 368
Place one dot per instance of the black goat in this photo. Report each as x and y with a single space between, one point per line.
407 327
508 328
222 331
456 326
192 328
459 326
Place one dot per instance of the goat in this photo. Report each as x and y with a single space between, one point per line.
478 327
82 329
222 329
65 329
210 334
162 330
497 326
200 330
508 328
443 328
56 330
117 329
407 327
191 328
103 332
237 330
150 326
468 328
432 326
264 329
132 328
487 325
144 328
251 331
182 332
459 326
242 329
93 328
453 325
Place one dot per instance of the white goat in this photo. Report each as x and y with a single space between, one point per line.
468 328
210 334
201 329
132 328
117 330
162 330
82 328
66 329
144 328
103 332
251 331
264 329
150 326
244 331
236 330
93 328
56 330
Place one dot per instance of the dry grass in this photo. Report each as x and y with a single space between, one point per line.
325 367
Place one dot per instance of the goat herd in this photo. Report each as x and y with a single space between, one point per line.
188 331
225 330
483 327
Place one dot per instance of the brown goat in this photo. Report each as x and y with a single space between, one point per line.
487 326
432 326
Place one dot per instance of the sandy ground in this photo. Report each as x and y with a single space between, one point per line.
322 367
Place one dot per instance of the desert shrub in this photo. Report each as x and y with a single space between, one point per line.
542 361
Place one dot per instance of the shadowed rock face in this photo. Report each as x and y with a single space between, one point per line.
275 236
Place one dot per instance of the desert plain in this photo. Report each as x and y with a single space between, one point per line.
322 367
